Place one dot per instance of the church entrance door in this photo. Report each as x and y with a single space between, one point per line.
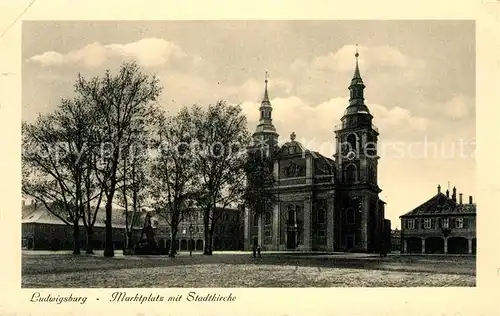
290 240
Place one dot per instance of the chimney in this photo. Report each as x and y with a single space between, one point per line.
439 188
447 193
470 199
454 195
460 198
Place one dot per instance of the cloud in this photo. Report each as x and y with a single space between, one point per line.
459 107
149 52
370 58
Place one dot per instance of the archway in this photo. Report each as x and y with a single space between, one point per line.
184 244
458 245
55 244
199 244
161 244
191 244
414 245
434 245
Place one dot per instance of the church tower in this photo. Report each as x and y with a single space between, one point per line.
265 137
356 158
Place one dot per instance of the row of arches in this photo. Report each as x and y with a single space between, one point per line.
197 245
452 245
183 244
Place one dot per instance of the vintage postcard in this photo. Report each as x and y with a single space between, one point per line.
245 163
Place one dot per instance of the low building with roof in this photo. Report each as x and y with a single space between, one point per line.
42 230
443 224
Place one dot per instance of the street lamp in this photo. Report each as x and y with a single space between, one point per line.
190 240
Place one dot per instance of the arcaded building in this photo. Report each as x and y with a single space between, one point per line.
324 203
443 224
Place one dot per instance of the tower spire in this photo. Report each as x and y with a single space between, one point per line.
266 95
356 79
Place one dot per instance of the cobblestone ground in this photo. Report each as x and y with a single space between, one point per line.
237 270
246 275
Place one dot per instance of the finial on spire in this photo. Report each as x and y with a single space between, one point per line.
266 95
292 136
357 75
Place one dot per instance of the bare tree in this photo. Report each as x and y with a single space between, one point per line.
133 176
54 161
173 172
125 101
221 131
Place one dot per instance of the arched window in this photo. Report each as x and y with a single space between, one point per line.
350 173
291 216
268 218
321 216
350 216
351 141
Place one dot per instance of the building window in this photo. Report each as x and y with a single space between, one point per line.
268 218
321 216
350 216
321 233
460 222
445 223
410 224
350 173
291 217
267 233
427 223
351 141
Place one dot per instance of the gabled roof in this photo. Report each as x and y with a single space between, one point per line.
41 215
441 204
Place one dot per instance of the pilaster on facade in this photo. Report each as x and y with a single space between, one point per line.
276 226
309 173
330 222
307 224
423 245
364 222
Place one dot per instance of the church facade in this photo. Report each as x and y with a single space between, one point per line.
324 204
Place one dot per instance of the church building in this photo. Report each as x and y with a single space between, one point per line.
324 204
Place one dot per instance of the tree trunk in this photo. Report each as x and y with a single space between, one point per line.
207 250
173 250
89 249
76 239
108 245
128 241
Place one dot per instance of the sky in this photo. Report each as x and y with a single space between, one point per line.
419 77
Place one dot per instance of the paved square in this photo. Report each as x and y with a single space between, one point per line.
60 270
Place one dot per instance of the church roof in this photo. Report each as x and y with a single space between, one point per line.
441 204
297 147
